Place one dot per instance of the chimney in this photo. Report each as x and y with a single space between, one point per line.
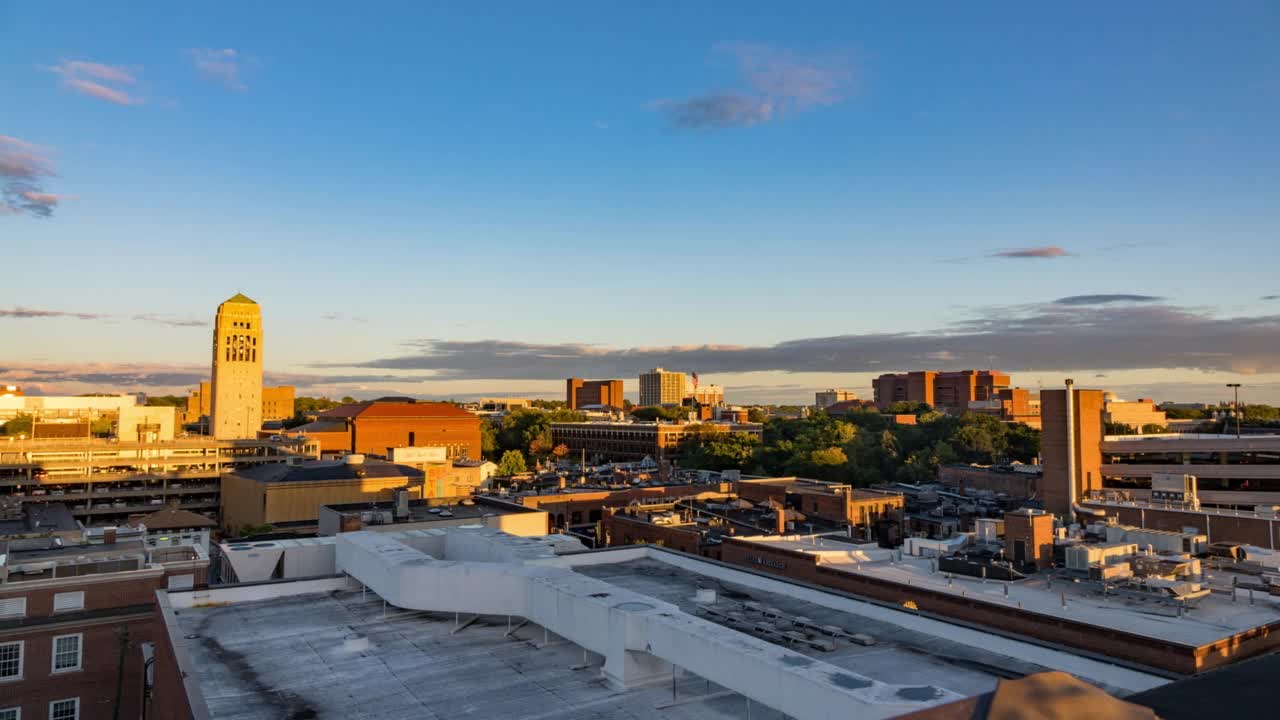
109 536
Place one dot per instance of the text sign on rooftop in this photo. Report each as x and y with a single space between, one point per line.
417 454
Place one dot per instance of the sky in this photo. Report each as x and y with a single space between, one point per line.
455 200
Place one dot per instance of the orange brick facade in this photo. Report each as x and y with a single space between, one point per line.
1053 446
950 391
579 393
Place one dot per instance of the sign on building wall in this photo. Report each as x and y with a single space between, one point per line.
417 454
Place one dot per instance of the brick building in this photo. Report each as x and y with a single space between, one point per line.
277 403
634 441
587 393
1086 446
826 501
948 391
77 623
372 427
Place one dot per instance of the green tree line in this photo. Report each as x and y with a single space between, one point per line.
863 448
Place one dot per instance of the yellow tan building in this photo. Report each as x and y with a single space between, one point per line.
277 403
292 493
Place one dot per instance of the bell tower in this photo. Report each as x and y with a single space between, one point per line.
237 370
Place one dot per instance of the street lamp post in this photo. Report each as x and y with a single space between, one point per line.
1235 406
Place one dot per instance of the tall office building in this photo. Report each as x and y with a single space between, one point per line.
662 387
580 393
237 370
827 398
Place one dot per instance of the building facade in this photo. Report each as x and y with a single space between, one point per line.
584 393
277 403
662 387
1056 446
950 391
708 395
373 428
236 407
634 441
77 624
1135 414
826 398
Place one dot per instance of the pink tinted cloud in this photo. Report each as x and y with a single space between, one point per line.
23 167
21 160
102 92
1046 251
98 80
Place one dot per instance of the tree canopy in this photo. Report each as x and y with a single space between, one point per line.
862 448
512 463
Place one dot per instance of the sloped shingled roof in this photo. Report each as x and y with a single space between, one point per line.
395 410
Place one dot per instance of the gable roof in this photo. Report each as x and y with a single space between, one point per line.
395 409
240 298
172 518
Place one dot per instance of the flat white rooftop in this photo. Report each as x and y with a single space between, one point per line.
1214 618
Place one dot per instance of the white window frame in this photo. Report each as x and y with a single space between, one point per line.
76 596
53 661
76 711
21 604
11 713
21 657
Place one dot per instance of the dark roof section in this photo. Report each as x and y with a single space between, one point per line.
1239 690
172 518
396 409
321 470
40 518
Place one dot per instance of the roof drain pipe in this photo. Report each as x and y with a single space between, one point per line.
1076 508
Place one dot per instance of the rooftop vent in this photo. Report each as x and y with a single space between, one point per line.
354 459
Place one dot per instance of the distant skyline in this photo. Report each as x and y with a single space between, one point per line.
489 198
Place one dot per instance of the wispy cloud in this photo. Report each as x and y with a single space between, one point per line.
222 65
170 321
1045 251
1047 336
23 167
74 377
343 317
777 82
97 80
1271 297
1105 299
26 313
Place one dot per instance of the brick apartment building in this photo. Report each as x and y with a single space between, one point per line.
77 623
372 427
947 391
587 393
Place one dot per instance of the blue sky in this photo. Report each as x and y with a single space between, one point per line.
484 198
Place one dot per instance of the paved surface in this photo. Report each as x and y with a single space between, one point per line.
300 657
900 655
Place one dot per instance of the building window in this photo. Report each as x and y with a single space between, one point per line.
68 601
10 660
66 652
68 709
14 607
13 713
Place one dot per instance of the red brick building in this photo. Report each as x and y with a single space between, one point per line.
372 427
580 393
77 624
949 391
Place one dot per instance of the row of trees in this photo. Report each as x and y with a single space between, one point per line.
863 448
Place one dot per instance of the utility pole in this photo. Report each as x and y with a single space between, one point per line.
1235 406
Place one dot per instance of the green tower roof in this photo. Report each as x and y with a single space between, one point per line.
241 298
